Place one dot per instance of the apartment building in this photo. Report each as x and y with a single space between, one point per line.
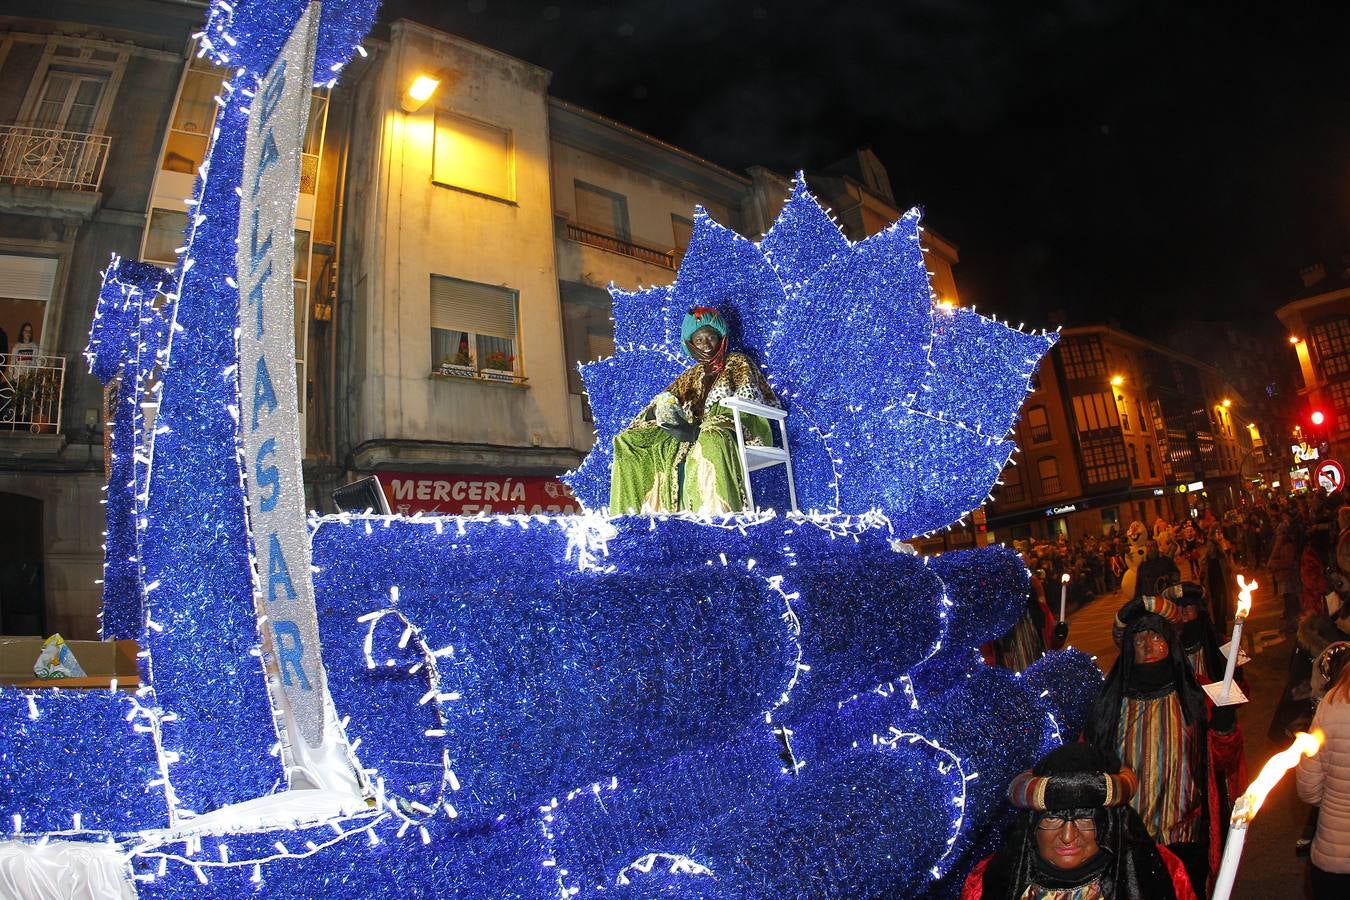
86 91
452 258
1318 325
1120 429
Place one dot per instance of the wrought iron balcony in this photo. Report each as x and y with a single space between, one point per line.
48 157
31 389
663 258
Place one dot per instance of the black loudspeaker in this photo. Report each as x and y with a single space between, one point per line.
362 496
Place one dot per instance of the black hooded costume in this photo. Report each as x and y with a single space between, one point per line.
1128 864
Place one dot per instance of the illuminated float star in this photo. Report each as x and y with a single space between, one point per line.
894 403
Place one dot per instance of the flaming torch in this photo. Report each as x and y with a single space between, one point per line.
1063 593
1224 694
1244 810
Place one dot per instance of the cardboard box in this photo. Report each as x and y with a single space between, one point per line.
102 661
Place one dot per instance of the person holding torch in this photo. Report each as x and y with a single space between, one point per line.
1153 715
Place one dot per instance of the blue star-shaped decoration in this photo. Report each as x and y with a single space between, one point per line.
895 403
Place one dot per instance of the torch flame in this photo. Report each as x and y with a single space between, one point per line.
1305 744
1245 596
1064 578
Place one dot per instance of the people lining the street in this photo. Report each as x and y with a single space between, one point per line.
1077 837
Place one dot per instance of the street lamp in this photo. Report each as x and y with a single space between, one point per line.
1117 380
1294 339
419 92
1227 403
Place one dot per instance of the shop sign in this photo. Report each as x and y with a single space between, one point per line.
465 495
1158 492
1065 509
1304 453
1195 486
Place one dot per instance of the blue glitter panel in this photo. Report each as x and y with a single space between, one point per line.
372 857
981 370
891 405
987 588
85 752
250 33
724 270
1069 679
544 659
803 238
194 547
634 314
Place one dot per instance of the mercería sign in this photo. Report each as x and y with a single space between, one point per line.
455 495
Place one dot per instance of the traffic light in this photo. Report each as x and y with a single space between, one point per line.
1317 417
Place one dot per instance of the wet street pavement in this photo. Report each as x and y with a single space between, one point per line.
1269 867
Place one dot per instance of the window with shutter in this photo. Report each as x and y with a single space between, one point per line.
603 211
473 156
473 327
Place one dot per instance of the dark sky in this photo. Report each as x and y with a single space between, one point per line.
1094 159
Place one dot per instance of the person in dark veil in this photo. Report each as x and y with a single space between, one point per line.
1153 715
1077 838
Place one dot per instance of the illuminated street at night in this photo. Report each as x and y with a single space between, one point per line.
501 449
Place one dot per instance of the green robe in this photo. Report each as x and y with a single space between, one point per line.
656 472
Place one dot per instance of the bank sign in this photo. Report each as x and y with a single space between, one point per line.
269 416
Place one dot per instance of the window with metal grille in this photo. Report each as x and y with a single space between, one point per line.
473 327
1012 490
1048 468
1083 357
1104 459
1332 340
1038 424
1339 394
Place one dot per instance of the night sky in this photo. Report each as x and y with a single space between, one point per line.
1094 160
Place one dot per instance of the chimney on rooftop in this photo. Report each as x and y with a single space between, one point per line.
1312 274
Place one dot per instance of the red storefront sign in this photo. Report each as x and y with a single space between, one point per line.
454 495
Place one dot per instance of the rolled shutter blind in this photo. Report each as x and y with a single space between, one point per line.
467 306
27 277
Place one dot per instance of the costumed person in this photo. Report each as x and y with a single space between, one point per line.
1284 568
1324 781
680 453
1135 553
1077 838
1034 631
1217 572
1152 713
1156 573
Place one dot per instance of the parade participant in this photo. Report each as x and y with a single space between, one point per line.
1156 573
1324 781
1034 631
1152 713
1077 838
680 452
1284 568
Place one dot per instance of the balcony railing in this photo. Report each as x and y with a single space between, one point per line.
31 388
663 258
48 157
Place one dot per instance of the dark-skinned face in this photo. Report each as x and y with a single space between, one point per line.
1066 846
703 343
1149 647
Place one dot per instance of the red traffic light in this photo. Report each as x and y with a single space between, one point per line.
1317 418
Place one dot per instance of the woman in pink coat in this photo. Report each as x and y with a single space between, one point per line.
1324 781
